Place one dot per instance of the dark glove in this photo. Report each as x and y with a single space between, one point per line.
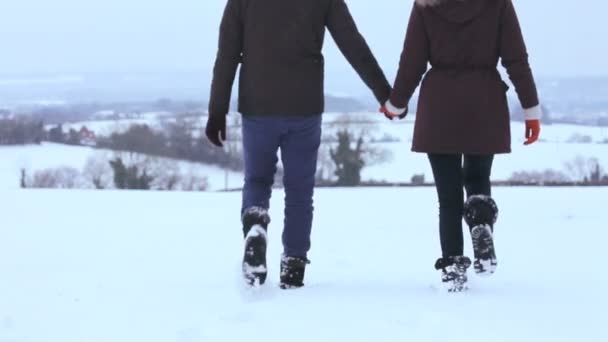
216 129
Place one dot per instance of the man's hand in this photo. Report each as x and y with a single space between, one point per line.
216 129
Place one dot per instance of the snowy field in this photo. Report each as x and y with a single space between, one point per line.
554 151
108 126
105 266
38 157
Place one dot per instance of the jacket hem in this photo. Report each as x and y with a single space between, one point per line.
460 151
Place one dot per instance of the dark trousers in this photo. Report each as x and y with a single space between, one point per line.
452 176
298 140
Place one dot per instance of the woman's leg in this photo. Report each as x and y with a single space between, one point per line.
477 172
447 170
480 211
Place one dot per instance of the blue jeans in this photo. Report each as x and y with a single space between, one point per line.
298 139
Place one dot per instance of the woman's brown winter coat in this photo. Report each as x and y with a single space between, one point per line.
463 105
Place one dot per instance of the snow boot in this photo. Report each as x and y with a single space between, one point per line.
481 213
292 272
454 272
255 226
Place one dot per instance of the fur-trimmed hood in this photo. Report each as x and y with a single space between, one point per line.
428 2
457 11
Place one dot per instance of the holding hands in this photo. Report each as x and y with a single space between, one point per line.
391 112
532 133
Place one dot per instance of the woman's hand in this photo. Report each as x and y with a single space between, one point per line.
391 112
532 131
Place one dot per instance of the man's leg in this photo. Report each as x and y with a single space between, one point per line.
260 144
261 138
299 151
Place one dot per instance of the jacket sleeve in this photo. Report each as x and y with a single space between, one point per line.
354 47
414 60
228 58
514 58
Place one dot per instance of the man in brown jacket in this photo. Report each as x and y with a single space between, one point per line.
463 114
278 45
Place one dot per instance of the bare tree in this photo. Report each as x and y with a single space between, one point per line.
193 181
583 169
165 172
539 177
97 170
23 179
234 144
326 167
579 138
363 127
418 179
354 150
58 178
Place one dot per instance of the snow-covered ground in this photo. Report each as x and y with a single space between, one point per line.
110 266
47 155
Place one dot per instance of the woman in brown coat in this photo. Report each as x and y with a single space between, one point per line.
463 117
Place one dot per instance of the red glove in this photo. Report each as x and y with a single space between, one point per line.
532 131
386 113
389 115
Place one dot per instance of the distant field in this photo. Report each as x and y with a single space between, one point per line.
557 147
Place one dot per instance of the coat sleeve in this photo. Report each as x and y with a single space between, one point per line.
413 62
353 46
228 58
514 58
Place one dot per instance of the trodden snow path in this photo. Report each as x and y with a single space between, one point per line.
86 266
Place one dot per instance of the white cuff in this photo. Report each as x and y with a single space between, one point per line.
534 113
391 108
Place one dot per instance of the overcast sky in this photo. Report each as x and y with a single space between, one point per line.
565 37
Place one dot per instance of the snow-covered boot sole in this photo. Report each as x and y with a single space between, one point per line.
485 263
254 260
481 213
255 225
454 273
